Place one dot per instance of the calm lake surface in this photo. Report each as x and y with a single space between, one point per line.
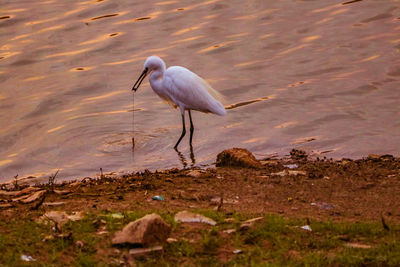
316 75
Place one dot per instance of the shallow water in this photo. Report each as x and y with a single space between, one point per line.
314 75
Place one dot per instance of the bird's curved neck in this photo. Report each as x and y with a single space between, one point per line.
156 77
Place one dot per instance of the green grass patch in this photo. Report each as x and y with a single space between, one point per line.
277 241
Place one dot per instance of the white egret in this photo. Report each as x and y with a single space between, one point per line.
181 88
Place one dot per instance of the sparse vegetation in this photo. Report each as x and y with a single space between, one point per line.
51 182
278 241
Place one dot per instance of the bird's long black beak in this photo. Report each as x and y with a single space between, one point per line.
140 80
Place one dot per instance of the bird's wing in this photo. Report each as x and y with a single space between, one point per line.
217 95
168 100
190 89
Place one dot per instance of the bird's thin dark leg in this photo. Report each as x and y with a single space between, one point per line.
191 127
183 130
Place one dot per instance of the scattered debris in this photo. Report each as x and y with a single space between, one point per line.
250 223
217 200
53 204
142 251
27 258
159 198
229 231
357 245
323 206
61 217
288 172
80 244
385 226
306 227
237 251
31 198
189 217
24 191
237 157
291 166
117 215
148 230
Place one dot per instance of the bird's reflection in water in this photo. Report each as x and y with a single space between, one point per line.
183 159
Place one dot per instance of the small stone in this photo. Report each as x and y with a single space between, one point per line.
229 231
159 198
237 251
148 230
237 157
80 244
306 227
250 223
194 173
189 217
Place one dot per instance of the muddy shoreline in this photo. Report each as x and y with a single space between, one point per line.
364 189
307 210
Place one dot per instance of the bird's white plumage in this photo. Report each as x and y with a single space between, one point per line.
190 91
182 88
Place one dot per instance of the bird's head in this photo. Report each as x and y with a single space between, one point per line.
152 63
